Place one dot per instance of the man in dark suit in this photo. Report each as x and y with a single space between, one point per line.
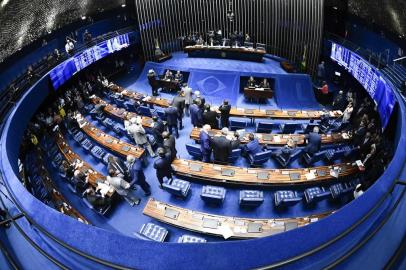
163 167
210 117
118 166
221 147
179 103
313 142
169 145
224 113
172 119
137 176
153 82
195 114
252 147
205 144
157 128
340 101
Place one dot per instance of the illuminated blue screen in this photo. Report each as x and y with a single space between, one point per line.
369 77
64 71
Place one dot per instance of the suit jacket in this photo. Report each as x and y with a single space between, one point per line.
253 147
138 133
235 144
171 116
195 115
314 143
170 147
284 153
188 95
179 103
210 118
163 166
119 185
118 166
157 129
204 142
225 111
221 148
136 173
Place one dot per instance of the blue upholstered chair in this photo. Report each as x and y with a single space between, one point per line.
235 155
186 238
144 110
119 101
98 152
259 158
129 105
57 160
194 151
251 197
161 114
339 190
108 123
316 194
237 124
100 117
86 144
334 154
290 128
119 129
178 187
79 136
154 232
100 210
311 159
307 128
286 198
89 107
266 127
93 113
213 194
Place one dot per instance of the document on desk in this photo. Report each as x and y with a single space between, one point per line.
334 173
310 176
277 138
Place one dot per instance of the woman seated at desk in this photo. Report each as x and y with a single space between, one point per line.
168 75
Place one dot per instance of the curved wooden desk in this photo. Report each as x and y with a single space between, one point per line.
223 226
235 112
277 139
121 114
71 157
218 174
57 197
115 145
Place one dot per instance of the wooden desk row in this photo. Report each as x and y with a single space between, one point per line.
71 157
234 112
157 101
218 174
115 145
223 226
277 139
57 197
258 93
121 114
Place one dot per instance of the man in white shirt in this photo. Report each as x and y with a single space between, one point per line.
69 46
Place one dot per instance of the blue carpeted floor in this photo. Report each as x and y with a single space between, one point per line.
219 79
126 219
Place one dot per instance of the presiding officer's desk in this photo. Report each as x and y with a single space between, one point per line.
121 114
218 174
277 139
172 85
113 144
224 226
234 112
258 93
225 52
71 157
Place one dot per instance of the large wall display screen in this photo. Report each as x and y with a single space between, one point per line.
64 71
369 77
